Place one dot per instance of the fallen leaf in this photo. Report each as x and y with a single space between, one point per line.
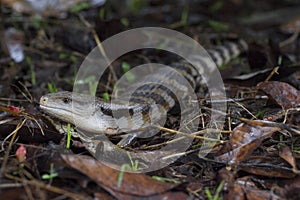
269 166
282 93
246 188
286 154
244 139
291 188
133 184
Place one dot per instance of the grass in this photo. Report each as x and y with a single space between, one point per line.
163 179
32 72
218 26
51 175
136 6
217 195
128 75
102 13
124 21
183 20
105 96
79 7
133 166
37 21
68 136
52 88
282 141
216 6
92 83
279 61
73 58
93 87
62 55
260 113
184 16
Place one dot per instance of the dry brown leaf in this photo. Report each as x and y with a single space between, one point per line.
286 154
244 139
133 184
267 166
246 188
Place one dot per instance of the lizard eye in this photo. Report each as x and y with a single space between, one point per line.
66 100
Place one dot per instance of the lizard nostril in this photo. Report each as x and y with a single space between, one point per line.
66 100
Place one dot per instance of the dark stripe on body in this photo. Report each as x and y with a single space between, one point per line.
221 53
151 91
229 48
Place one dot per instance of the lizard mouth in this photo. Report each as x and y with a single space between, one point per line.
52 110
58 111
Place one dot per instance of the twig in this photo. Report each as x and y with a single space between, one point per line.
287 111
14 134
28 96
290 39
270 124
246 109
185 135
99 45
274 71
48 187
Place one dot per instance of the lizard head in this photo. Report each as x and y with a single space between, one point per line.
82 110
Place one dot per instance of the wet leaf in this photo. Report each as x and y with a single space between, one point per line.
133 185
269 166
253 78
286 154
282 93
291 188
247 188
244 139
